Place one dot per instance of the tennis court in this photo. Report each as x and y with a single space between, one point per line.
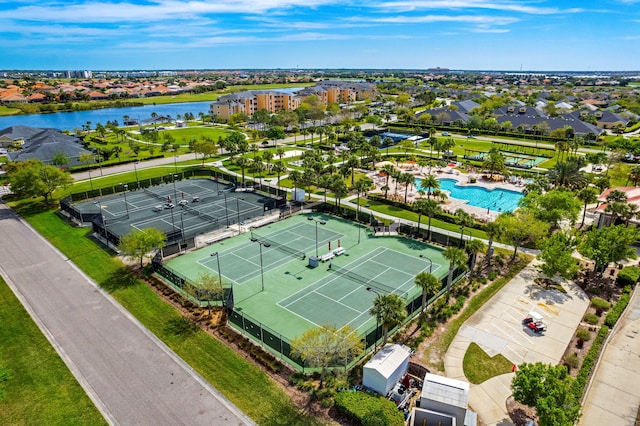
274 285
181 209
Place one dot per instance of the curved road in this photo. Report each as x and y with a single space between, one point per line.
131 376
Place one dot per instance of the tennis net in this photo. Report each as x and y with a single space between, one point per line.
201 214
153 194
367 282
278 246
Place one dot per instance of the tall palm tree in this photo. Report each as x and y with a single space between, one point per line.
243 163
389 310
629 212
429 284
362 186
492 229
494 161
388 170
279 168
431 208
473 247
407 179
429 182
588 196
457 259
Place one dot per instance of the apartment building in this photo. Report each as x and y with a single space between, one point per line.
329 92
251 101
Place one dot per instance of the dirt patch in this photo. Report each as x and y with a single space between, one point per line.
520 414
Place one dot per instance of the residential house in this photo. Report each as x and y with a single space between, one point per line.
45 144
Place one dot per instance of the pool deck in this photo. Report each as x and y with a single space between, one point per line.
447 172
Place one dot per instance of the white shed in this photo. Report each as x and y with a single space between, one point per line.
386 368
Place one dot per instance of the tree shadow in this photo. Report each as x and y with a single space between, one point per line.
122 278
180 326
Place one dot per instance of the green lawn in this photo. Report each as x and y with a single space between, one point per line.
478 366
184 135
236 378
40 389
380 207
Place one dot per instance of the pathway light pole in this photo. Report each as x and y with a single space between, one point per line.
124 192
375 344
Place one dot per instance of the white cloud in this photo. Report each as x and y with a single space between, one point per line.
472 19
511 6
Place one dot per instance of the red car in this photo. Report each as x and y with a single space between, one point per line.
537 326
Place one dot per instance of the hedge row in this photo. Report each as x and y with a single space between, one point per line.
368 409
615 312
589 361
628 275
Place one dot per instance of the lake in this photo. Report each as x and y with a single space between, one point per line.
75 120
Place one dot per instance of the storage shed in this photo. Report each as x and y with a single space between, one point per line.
386 368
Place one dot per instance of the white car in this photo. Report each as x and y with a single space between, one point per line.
183 203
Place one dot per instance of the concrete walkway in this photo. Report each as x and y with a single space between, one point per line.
497 329
613 397
129 374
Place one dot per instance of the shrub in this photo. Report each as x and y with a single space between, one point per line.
493 275
628 275
365 408
591 319
616 311
572 360
600 304
588 362
583 334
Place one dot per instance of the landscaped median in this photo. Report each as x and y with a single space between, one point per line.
248 387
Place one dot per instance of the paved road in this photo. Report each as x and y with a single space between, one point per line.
614 395
132 377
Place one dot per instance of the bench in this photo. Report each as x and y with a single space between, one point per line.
339 251
218 238
327 256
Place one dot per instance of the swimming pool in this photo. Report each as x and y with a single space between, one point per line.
498 200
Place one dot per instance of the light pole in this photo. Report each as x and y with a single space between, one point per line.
135 169
182 228
175 193
217 256
124 192
430 262
106 230
226 209
321 222
90 181
265 244
461 235
238 211
375 344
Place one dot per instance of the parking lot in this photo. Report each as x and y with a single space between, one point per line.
498 329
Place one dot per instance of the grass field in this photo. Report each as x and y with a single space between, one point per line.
230 373
478 366
40 388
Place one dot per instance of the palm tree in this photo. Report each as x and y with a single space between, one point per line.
492 229
428 182
587 195
495 161
474 247
243 163
429 284
431 208
363 185
634 175
325 183
457 259
407 179
388 170
567 174
629 212
279 168
389 310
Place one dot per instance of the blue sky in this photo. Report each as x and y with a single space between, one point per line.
233 34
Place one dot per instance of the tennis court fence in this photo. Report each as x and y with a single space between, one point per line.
274 341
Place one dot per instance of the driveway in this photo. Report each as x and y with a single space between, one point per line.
131 376
497 329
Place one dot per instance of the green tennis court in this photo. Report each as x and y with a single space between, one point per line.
274 286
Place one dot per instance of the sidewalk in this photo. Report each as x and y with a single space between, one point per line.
613 397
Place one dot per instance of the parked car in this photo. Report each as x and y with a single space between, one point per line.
169 206
183 203
446 134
